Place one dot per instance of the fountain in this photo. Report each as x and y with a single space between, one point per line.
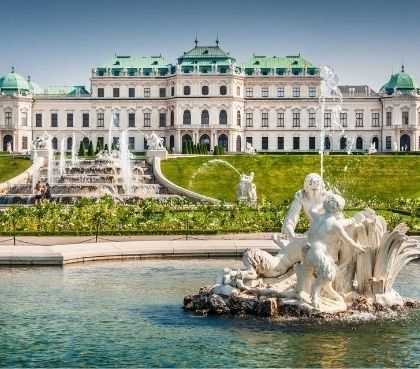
125 164
341 269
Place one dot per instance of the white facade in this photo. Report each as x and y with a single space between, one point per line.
274 112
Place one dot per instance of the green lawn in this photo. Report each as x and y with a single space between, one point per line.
277 177
12 166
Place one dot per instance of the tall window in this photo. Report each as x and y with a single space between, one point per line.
38 120
404 118
343 143
280 119
388 142
24 143
343 119
147 92
238 91
85 120
264 92
162 119
312 119
249 92
280 91
205 90
187 90
116 119
248 140
101 92
296 119
280 143
223 117
54 143
162 92
359 143
264 143
264 119
172 118
131 92
296 92
131 143
312 143
54 120
205 118
375 119
100 120
388 118
8 119
223 90
186 119
115 92
131 120
249 119
238 118
327 119
69 143
147 119
359 119
296 143
172 91
312 91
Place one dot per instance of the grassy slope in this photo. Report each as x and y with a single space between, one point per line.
278 176
11 167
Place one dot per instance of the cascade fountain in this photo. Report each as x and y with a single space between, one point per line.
62 157
125 163
73 150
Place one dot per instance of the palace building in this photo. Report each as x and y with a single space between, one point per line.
208 97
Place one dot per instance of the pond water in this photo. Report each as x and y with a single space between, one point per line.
129 314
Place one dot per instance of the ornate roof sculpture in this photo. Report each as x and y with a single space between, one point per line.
14 84
400 82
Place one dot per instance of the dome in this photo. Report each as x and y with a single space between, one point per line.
13 83
401 81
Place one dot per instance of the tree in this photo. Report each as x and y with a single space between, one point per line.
184 148
90 149
106 148
81 149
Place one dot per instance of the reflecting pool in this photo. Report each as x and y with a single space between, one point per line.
129 314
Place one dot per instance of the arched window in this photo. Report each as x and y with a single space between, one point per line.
171 142
223 90
205 140
238 91
186 139
205 118
375 141
327 143
186 119
343 143
54 143
69 143
187 90
223 141
7 143
223 117
172 118
205 90
86 142
359 143
238 118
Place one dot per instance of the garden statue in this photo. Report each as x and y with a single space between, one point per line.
9 148
40 143
372 149
249 149
154 142
246 191
340 265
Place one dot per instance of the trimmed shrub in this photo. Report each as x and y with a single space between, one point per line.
81 149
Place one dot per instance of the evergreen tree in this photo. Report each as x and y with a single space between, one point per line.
81 149
90 149
189 150
184 148
106 148
216 150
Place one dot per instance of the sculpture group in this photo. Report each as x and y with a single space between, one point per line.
336 262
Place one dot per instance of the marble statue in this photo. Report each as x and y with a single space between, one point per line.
336 263
246 191
372 149
40 143
154 142
249 149
9 147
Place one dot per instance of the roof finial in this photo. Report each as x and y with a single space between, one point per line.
217 39
196 40
402 68
13 69
29 78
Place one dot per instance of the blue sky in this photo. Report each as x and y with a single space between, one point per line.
58 42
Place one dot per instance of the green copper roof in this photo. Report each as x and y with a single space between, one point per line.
274 62
34 87
125 61
13 82
66 91
206 55
400 81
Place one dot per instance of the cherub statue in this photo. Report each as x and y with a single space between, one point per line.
326 230
249 149
247 191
